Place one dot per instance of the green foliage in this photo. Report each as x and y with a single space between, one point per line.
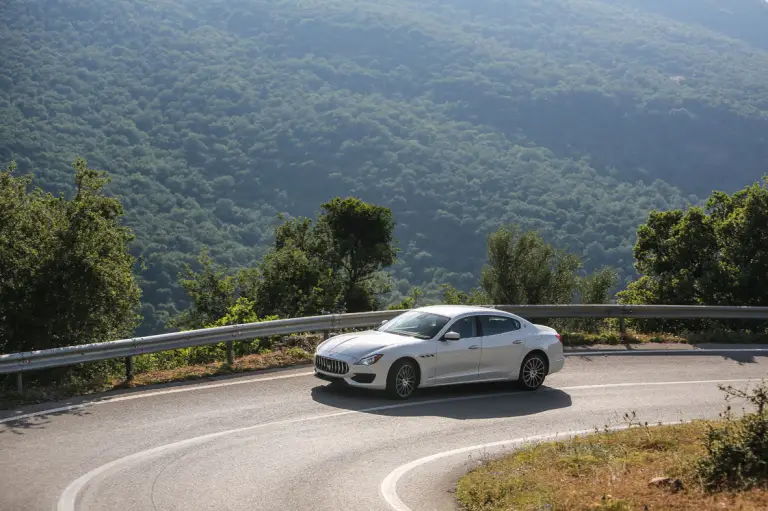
332 265
737 451
524 269
595 288
211 292
475 113
411 302
243 311
362 244
704 256
452 296
66 276
745 20
294 283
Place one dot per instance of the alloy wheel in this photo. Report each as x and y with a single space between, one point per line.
534 372
405 381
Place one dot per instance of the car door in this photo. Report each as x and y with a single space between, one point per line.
458 361
503 345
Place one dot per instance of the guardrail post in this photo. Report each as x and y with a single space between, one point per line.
326 335
128 369
230 353
19 383
622 328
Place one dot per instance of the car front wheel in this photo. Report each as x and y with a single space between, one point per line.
533 371
402 379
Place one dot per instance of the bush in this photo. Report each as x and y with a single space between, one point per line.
296 352
737 452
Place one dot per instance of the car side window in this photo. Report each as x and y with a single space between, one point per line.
494 325
465 327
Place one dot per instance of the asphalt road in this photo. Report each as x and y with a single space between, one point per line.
283 440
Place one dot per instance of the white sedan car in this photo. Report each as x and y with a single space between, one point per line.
442 345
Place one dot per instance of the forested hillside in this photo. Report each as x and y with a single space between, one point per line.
741 19
572 117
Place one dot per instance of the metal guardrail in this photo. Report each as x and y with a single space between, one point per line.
128 348
70 355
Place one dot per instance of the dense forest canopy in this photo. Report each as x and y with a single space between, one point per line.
741 19
572 117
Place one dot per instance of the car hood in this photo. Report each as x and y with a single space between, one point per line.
358 344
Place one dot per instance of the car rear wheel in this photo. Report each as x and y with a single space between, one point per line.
402 379
533 371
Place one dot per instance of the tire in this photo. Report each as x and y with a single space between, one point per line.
402 379
533 371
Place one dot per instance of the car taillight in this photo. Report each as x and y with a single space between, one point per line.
559 338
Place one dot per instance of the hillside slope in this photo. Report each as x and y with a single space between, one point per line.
574 117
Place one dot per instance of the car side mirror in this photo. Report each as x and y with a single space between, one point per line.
385 321
451 336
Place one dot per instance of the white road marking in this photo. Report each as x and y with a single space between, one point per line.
140 395
68 498
388 486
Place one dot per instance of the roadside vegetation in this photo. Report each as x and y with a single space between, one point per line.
701 466
67 277
154 369
188 364
472 113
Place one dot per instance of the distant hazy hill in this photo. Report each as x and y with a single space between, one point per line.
575 117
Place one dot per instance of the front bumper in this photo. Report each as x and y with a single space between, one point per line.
368 380
369 377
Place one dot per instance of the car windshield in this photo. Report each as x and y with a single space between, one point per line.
415 324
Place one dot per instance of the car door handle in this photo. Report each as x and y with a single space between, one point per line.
518 342
474 347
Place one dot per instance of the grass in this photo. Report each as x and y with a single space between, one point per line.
605 471
173 366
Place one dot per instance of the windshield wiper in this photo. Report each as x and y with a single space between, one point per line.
403 333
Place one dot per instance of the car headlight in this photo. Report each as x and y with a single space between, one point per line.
369 360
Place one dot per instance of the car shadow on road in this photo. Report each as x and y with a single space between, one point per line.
464 402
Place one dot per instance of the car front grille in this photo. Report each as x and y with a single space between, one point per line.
330 365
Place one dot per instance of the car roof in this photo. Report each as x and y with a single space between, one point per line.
456 310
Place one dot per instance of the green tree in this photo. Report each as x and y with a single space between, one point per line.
410 302
716 255
294 283
333 265
362 242
66 275
453 296
211 293
522 268
240 313
596 287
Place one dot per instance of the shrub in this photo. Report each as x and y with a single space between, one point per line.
737 452
297 352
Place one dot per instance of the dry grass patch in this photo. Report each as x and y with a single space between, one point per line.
604 471
257 362
611 338
280 358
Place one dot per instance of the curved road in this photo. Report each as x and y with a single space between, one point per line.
283 440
